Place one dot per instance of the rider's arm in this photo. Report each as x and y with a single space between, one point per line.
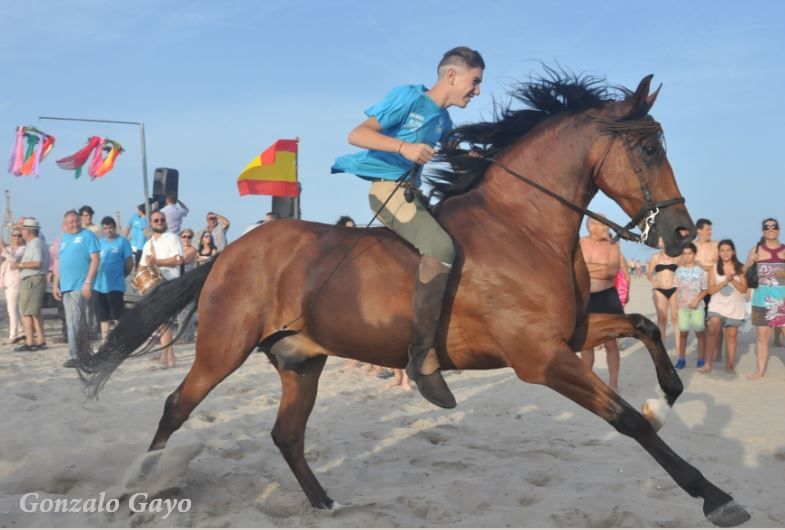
368 135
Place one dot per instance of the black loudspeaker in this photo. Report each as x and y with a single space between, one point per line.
164 181
287 207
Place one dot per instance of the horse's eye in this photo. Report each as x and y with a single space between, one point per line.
649 149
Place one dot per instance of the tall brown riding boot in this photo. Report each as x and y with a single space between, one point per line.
423 367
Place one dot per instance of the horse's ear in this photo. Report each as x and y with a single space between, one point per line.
640 102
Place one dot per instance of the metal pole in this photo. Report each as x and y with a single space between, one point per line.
144 174
144 150
297 176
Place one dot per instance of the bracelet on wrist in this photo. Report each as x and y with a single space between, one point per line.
400 147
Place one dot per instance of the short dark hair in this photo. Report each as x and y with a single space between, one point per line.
342 220
108 221
87 209
274 215
700 223
171 196
141 207
462 56
691 246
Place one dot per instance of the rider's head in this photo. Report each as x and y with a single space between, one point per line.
460 74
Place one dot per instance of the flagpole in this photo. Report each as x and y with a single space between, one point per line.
297 213
144 150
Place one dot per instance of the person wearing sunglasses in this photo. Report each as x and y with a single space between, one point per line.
163 250
9 280
218 225
207 249
768 299
189 263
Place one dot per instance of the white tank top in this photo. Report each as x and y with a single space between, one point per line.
728 301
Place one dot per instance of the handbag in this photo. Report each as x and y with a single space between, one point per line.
752 272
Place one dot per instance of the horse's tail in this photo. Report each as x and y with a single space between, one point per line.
136 326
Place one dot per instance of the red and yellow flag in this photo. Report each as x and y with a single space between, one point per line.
274 172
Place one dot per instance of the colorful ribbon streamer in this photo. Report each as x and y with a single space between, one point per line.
99 165
27 160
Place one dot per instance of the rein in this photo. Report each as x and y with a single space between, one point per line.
646 216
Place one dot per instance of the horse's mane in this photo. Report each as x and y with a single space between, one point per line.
555 93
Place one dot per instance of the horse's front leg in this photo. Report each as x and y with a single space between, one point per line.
597 328
562 370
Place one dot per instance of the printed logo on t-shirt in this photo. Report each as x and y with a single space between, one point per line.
414 121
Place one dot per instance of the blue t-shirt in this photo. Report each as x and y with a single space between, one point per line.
138 223
111 271
406 113
74 258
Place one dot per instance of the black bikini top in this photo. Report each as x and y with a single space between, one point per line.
661 267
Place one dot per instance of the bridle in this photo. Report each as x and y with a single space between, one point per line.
645 218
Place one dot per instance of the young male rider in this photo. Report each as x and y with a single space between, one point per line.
400 131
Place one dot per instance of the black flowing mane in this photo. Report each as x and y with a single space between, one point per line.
557 92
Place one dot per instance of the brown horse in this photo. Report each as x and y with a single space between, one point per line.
301 291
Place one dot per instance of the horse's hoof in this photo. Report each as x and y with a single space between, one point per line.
729 514
655 411
325 504
337 506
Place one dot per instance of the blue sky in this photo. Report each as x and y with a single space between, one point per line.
217 82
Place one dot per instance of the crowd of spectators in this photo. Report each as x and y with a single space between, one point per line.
705 290
86 268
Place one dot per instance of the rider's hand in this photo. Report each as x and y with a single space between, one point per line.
417 153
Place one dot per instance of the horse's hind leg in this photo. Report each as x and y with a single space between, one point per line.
217 356
297 399
598 328
569 376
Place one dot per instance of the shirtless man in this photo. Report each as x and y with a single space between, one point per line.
708 254
604 260
707 257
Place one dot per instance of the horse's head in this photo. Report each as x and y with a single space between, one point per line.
630 166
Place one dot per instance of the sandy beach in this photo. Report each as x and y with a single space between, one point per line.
511 454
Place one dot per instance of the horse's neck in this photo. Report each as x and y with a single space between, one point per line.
551 158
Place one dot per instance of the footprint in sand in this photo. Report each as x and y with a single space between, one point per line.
528 500
276 502
542 480
28 395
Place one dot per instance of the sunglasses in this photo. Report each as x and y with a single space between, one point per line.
16 235
156 221
771 227
186 237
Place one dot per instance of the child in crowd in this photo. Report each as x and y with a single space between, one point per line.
691 285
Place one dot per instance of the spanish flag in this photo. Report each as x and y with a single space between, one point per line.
274 172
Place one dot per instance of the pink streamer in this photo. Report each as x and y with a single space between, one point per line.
37 158
98 159
18 156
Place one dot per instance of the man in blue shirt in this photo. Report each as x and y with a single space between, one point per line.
136 233
401 131
116 262
73 279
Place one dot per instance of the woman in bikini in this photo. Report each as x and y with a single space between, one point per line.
768 300
662 274
727 286
207 249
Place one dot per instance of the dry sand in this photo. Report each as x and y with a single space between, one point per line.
511 454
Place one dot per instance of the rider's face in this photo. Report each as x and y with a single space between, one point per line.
464 85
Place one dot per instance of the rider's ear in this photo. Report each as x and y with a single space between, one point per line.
637 105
